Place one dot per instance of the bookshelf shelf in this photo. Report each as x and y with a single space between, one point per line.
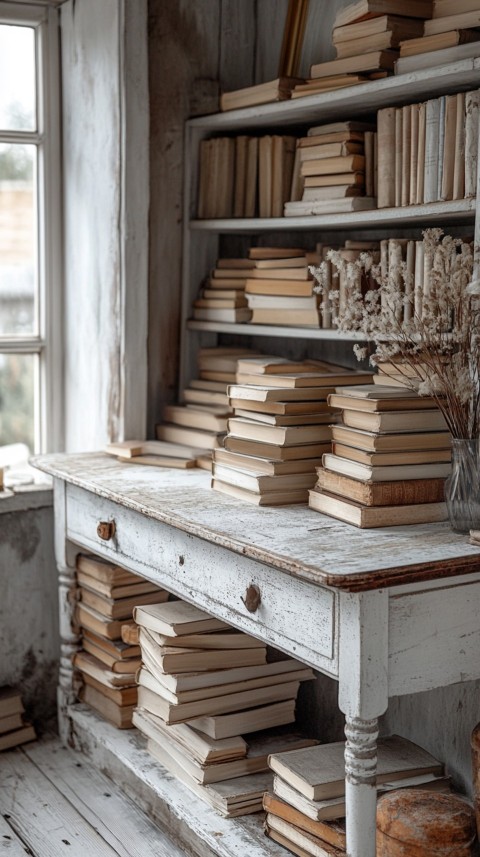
353 100
273 330
434 213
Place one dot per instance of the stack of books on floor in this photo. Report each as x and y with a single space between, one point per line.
427 152
391 456
453 33
336 164
13 730
202 686
366 37
280 429
223 296
279 288
108 595
202 421
306 810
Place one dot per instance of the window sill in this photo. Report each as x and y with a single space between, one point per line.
25 497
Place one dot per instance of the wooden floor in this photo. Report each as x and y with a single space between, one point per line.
53 802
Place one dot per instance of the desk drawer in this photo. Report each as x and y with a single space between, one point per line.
295 616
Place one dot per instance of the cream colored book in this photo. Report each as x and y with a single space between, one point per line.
449 147
205 750
462 21
94 668
250 720
459 159
177 617
386 157
385 473
368 517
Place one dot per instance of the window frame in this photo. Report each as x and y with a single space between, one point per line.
47 344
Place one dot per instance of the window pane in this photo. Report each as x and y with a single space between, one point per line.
17 409
17 76
18 240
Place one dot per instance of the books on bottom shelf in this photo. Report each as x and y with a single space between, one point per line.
13 730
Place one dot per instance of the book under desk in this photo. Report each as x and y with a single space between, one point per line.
344 601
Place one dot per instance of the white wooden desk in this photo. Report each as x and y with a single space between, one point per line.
385 612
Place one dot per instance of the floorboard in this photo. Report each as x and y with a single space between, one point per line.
53 803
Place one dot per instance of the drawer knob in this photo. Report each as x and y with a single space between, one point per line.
106 530
252 598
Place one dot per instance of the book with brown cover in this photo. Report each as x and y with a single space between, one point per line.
332 832
386 157
119 715
400 493
373 61
298 841
369 517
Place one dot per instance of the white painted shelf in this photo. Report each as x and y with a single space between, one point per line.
431 214
351 101
274 330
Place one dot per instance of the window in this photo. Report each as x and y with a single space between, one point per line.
30 261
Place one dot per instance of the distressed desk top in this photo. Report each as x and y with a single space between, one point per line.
293 539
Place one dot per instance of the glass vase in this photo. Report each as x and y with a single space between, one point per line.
462 488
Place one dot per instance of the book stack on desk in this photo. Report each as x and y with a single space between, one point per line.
202 686
279 289
391 456
13 730
202 421
108 595
280 429
305 812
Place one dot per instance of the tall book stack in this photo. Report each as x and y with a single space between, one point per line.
336 165
428 152
366 36
453 24
391 455
280 429
223 296
13 730
202 422
108 595
201 687
306 810
279 288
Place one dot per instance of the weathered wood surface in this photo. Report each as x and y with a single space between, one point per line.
118 821
121 755
47 823
295 540
11 845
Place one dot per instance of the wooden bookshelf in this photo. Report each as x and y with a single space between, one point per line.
273 330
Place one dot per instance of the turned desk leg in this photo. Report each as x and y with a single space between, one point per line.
363 697
69 636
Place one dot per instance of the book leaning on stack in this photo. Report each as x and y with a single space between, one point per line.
13 730
107 665
202 686
305 812
391 456
222 298
280 429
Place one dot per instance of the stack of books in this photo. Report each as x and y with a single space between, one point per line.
201 687
336 163
427 152
306 810
453 24
391 456
154 452
280 429
13 730
223 296
201 423
279 289
108 595
366 37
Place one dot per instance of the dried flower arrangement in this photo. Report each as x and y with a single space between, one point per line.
429 335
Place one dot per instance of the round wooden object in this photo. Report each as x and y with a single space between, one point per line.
416 823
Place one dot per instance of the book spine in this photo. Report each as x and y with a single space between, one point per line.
432 129
449 153
421 154
369 163
409 282
398 155
386 157
441 143
472 117
414 120
459 164
406 154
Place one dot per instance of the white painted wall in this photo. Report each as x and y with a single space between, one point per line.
29 642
